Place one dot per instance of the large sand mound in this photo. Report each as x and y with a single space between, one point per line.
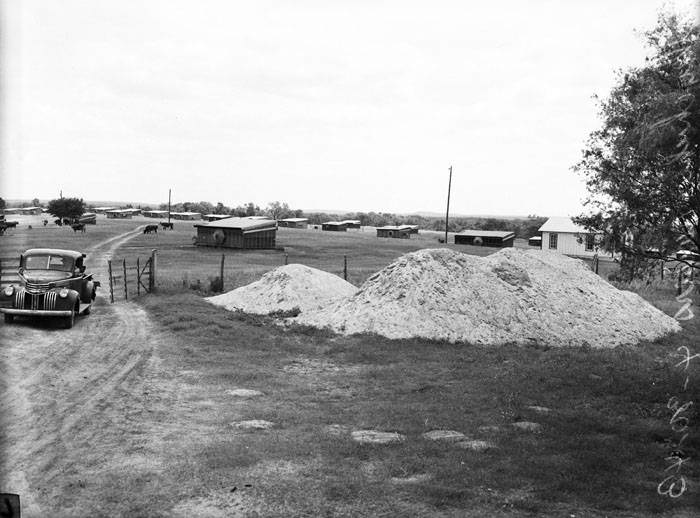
286 288
512 296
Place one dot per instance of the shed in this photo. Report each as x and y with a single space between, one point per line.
103 210
88 218
563 235
395 231
11 211
351 223
493 238
155 213
334 226
237 233
30 211
259 217
118 214
216 217
192 216
535 241
293 222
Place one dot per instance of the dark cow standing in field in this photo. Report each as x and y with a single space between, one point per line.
58 222
46 222
78 226
150 228
66 221
166 226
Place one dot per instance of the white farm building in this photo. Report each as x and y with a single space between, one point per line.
565 236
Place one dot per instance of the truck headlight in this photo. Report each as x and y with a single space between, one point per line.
63 293
9 291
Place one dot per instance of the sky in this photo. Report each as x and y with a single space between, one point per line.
345 105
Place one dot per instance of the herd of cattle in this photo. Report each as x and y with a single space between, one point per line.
81 227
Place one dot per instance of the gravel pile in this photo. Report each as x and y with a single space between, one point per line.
512 296
287 288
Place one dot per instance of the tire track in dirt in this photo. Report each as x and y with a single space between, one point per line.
67 391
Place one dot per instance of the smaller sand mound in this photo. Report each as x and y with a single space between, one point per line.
286 288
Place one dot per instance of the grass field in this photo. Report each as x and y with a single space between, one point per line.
600 450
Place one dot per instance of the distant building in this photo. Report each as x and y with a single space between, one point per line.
237 233
351 223
293 222
11 211
215 217
103 210
30 211
118 214
259 217
334 226
88 218
535 241
565 236
493 238
186 215
398 232
155 213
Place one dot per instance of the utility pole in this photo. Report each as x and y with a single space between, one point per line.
169 205
447 214
61 194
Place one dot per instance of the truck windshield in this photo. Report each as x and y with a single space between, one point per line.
48 262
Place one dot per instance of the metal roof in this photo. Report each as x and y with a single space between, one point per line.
395 227
240 223
218 216
565 225
295 220
503 234
333 223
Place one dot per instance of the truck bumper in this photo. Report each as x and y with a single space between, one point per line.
35 312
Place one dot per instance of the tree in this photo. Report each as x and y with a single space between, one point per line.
278 210
2 204
71 208
642 167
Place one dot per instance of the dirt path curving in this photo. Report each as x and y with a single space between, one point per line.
75 399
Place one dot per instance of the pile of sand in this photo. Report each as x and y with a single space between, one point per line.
512 296
287 288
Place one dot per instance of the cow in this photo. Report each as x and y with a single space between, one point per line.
78 226
150 228
67 221
166 226
45 222
58 222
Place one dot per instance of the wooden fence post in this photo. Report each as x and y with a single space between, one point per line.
138 277
345 267
221 272
111 281
126 291
152 272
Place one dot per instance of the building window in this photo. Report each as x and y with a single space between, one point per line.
590 242
553 238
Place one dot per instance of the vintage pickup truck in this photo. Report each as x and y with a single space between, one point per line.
53 283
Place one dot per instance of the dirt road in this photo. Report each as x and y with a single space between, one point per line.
75 400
